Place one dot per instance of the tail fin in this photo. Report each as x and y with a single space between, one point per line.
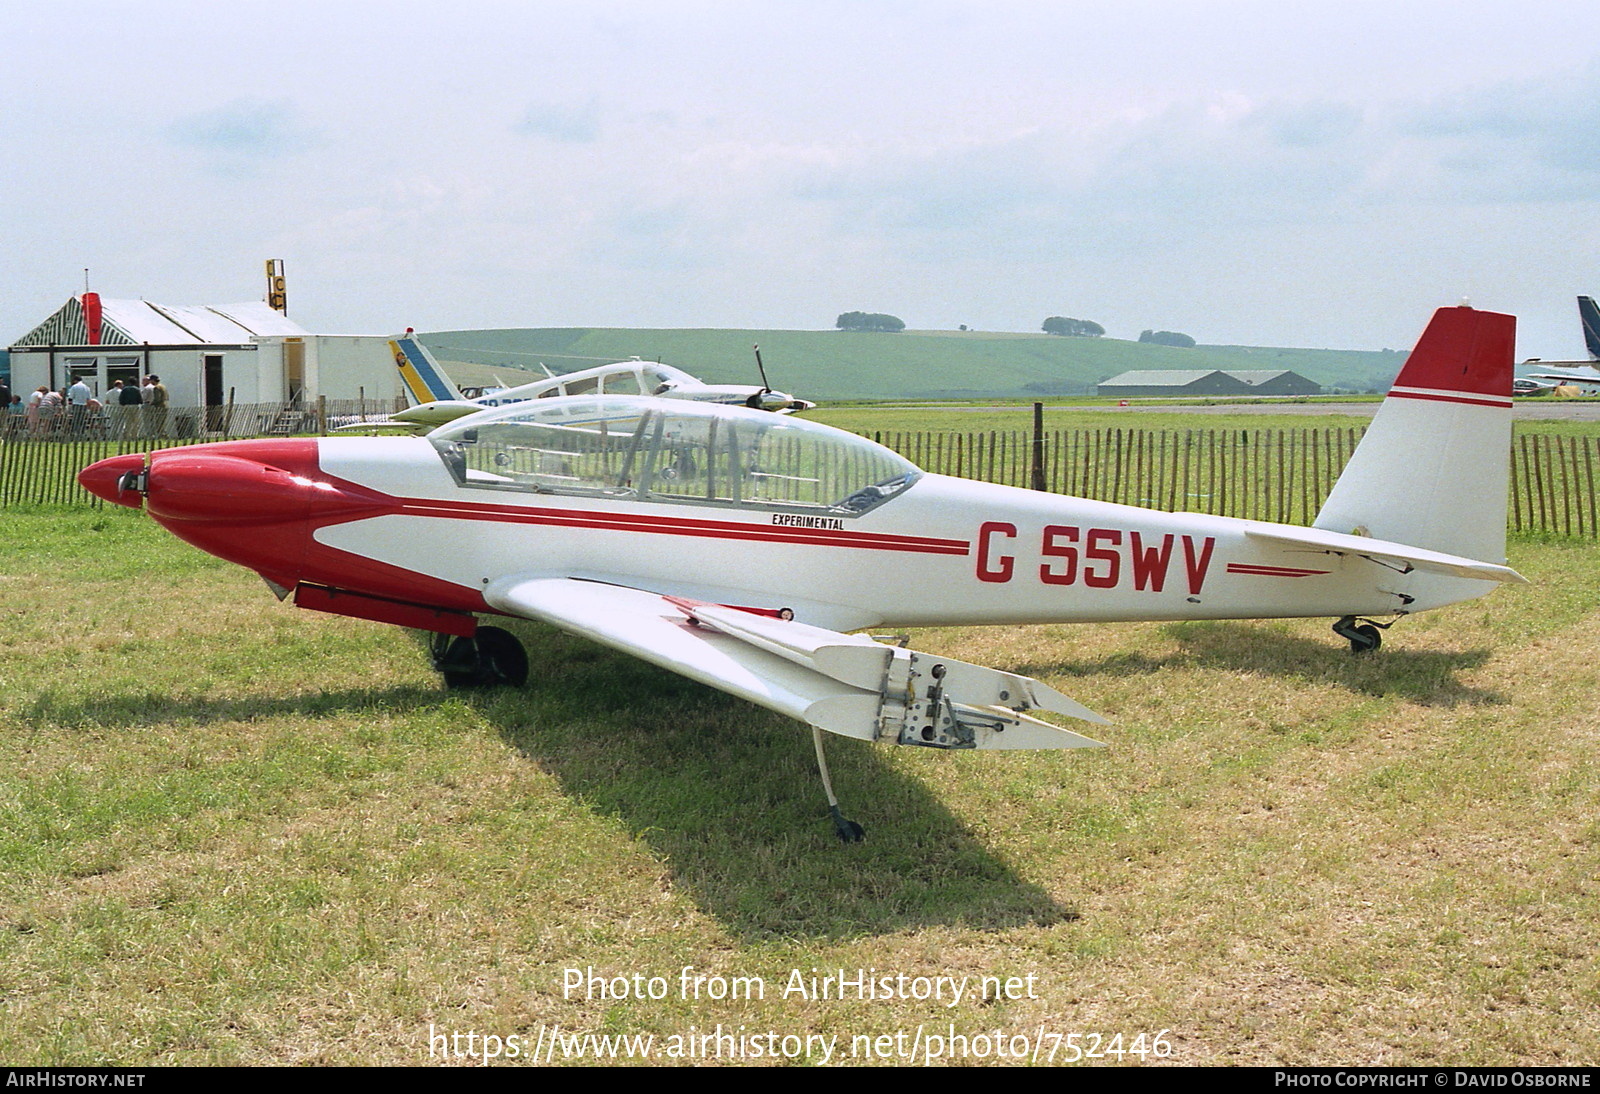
1433 469
424 380
1589 316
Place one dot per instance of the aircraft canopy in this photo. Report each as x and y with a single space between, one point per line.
672 451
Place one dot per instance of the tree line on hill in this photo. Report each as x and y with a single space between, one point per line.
1077 328
1166 338
861 320
1056 324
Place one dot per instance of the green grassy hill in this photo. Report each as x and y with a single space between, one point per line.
835 365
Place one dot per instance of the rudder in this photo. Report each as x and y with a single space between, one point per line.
1589 316
1433 469
420 375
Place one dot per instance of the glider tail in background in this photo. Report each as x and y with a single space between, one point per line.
424 380
1589 316
1433 469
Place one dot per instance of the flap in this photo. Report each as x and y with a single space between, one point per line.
836 682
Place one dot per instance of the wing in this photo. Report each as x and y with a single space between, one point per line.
1384 552
416 420
845 684
428 416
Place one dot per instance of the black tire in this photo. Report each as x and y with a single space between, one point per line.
457 681
495 659
454 658
1365 639
501 659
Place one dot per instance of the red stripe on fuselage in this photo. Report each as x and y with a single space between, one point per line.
678 526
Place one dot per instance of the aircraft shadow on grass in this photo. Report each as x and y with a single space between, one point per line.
725 792
1426 677
728 795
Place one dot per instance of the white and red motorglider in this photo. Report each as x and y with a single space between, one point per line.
741 548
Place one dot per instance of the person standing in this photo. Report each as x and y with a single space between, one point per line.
155 406
35 409
131 404
114 409
52 407
78 395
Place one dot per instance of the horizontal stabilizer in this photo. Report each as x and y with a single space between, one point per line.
1410 558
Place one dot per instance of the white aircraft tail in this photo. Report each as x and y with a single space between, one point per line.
1433 469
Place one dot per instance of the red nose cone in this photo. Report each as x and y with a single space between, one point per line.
208 486
104 479
256 503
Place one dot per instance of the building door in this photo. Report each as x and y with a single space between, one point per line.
212 371
294 371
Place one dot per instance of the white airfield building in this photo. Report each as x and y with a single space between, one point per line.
206 355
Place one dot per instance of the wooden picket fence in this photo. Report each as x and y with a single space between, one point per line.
1261 474
1552 485
40 459
1280 475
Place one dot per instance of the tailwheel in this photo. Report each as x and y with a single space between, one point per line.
492 658
1364 636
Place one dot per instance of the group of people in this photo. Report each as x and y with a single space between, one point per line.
128 410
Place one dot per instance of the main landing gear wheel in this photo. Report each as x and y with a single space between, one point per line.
493 658
1363 637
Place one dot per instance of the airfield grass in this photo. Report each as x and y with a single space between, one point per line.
866 418
232 832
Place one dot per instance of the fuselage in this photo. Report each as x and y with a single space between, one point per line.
390 518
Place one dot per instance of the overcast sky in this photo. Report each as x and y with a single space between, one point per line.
1284 173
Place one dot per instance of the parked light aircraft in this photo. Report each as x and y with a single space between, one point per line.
435 400
1574 374
739 548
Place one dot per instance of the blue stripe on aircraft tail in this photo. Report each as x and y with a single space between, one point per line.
438 387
